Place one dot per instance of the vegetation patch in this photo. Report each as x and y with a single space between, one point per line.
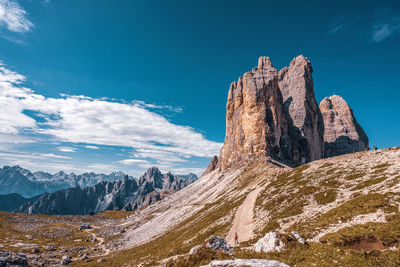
326 197
369 183
363 204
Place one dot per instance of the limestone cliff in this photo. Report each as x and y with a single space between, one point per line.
296 85
273 114
342 132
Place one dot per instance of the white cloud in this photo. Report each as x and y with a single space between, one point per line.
82 119
13 16
133 161
67 149
92 147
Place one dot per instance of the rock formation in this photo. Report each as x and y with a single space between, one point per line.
342 132
212 166
271 114
126 194
296 85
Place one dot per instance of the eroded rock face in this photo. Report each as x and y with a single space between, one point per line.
271 114
307 133
212 166
254 121
342 132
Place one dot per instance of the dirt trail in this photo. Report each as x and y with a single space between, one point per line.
243 223
101 241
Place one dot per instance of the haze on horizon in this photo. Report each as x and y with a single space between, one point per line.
100 86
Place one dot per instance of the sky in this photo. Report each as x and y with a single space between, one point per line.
124 85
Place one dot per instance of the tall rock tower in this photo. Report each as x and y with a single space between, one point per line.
271 114
296 85
342 132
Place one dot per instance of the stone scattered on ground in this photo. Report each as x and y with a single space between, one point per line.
217 243
194 250
8 258
65 259
246 262
101 260
269 243
298 237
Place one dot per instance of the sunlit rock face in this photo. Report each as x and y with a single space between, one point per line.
342 132
273 114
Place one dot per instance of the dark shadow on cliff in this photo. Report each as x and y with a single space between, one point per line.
342 145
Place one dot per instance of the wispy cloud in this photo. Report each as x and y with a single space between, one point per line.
67 149
14 17
92 147
376 27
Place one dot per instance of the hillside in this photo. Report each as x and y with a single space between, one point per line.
340 205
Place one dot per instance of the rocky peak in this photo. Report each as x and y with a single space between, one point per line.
153 176
264 63
301 108
342 132
273 114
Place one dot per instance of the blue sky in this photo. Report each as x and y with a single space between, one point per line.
124 85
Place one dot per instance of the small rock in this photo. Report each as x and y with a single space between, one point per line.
101 260
13 259
35 250
50 248
298 237
65 259
194 250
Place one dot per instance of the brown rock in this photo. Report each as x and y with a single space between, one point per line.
342 132
296 85
255 121
212 166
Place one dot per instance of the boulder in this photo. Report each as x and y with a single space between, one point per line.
65 260
343 134
8 258
269 243
246 262
217 243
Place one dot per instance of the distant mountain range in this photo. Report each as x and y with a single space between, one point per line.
127 194
27 184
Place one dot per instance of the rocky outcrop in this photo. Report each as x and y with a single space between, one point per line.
269 243
217 243
296 85
342 132
8 258
212 166
271 114
126 194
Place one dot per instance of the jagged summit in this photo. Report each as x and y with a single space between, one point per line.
273 114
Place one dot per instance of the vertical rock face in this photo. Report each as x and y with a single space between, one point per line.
296 85
254 117
273 114
342 132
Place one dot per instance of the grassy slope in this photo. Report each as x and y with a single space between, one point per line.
316 196
309 199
